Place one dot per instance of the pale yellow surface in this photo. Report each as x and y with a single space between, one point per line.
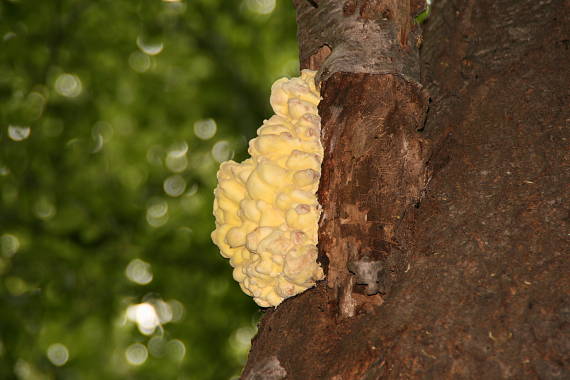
266 207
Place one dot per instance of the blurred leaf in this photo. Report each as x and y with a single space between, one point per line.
101 165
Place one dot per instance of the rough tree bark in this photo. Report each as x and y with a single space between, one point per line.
445 241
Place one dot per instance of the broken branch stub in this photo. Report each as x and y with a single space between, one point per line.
358 36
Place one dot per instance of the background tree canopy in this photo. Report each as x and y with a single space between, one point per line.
114 116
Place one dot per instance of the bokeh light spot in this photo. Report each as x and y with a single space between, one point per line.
136 354
58 354
192 190
221 151
261 6
36 103
23 369
176 159
145 316
157 346
179 149
98 144
177 310
157 213
158 209
44 209
174 185
174 7
176 163
205 129
139 62
154 155
68 85
18 133
104 129
149 46
163 311
16 286
139 271
9 244
240 341
244 335
176 349
8 36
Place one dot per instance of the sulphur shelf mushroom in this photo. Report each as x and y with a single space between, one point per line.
266 207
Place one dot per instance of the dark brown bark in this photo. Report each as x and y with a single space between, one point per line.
374 171
474 281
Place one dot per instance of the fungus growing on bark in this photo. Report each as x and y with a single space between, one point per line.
266 207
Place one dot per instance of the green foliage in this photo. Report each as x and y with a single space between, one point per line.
423 16
114 115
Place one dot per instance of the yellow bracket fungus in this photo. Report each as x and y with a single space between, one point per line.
266 207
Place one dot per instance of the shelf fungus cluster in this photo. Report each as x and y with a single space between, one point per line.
266 207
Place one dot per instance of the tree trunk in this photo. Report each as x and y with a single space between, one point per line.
445 242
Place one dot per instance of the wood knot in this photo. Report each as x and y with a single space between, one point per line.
369 272
349 8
